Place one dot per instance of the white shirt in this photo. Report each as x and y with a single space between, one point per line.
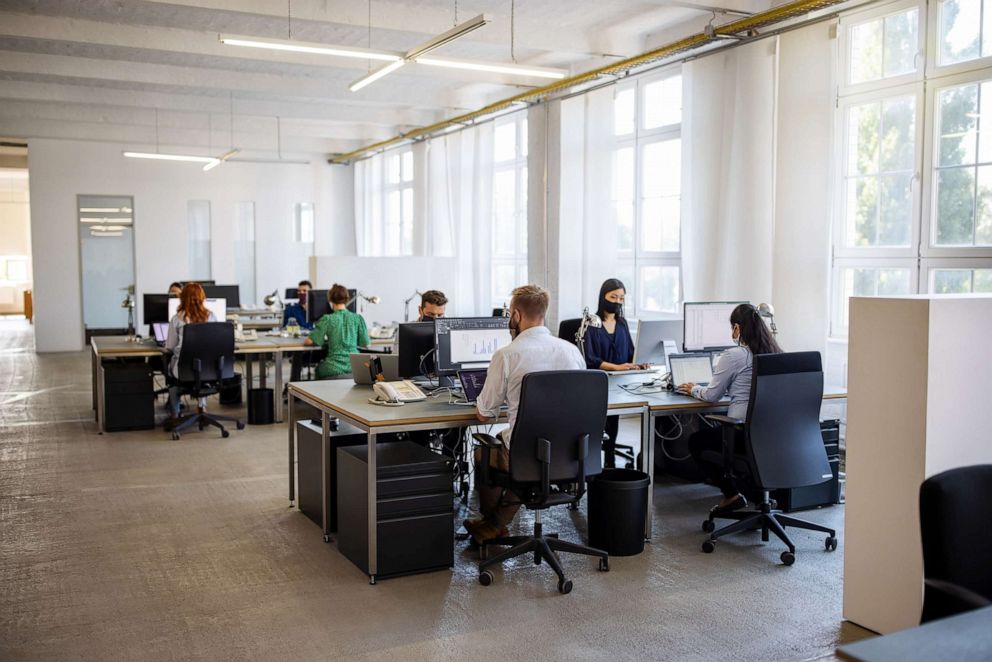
533 350
731 376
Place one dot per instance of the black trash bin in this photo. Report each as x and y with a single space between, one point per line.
618 507
260 409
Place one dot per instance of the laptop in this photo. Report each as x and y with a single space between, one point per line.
691 368
161 331
361 367
472 383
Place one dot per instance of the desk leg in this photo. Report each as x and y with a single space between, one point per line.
647 459
278 393
100 398
292 450
262 369
94 363
325 457
249 377
373 514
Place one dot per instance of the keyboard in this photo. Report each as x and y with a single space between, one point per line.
621 373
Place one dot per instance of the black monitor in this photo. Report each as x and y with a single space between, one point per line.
231 293
317 305
155 308
499 312
203 283
292 293
415 340
465 343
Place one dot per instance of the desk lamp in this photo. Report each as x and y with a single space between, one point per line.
768 310
588 320
406 304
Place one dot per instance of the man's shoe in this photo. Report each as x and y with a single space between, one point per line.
482 530
738 503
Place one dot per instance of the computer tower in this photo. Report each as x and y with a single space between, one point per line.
128 396
414 511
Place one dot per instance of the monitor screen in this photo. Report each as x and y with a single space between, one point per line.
649 347
291 294
232 293
415 340
155 308
318 305
691 368
464 343
707 326
217 306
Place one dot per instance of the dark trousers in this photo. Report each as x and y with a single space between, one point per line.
612 429
711 439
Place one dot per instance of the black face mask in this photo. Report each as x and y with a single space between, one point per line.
514 327
610 306
428 317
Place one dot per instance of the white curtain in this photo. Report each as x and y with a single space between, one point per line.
728 138
368 202
458 214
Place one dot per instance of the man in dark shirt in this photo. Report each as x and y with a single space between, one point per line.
298 311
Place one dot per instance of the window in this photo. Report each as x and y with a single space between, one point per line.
198 238
509 226
244 250
899 231
304 226
398 208
646 188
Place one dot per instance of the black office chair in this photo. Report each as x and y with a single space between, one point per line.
567 330
207 358
783 445
955 509
555 447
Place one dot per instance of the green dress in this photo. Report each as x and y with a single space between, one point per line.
343 332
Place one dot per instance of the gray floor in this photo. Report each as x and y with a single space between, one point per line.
132 546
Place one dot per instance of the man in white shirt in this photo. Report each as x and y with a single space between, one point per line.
533 349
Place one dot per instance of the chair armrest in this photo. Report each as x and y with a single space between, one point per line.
942 599
724 420
486 440
487 444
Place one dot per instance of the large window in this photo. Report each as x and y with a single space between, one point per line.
509 226
646 192
914 210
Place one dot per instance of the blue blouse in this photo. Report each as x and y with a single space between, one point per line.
600 346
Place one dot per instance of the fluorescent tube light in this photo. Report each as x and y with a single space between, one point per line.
459 30
306 47
106 234
210 166
220 159
373 76
105 210
96 219
109 228
513 69
169 157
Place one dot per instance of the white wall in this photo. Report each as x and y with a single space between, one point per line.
61 170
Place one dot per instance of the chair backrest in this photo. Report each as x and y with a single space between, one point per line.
209 342
955 508
568 328
562 407
783 421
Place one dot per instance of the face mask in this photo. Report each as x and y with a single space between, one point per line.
611 306
514 326
428 317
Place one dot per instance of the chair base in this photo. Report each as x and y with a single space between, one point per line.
202 421
544 548
767 519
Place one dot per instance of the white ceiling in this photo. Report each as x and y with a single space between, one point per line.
103 69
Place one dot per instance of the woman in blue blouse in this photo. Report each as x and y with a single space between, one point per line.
610 348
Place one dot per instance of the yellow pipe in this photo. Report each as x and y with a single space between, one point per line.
744 25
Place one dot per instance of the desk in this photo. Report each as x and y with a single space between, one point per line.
962 638
112 347
349 402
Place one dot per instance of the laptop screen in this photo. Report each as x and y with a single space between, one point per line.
472 383
691 368
161 330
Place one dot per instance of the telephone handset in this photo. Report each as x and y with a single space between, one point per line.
246 335
395 394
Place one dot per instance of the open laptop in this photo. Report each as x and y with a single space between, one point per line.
691 368
361 369
472 383
161 331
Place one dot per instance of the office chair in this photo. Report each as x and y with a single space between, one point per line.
566 331
206 359
555 447
783 446
955 509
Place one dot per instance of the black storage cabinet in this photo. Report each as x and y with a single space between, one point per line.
308 467
824 494
415 508
618 507
129 396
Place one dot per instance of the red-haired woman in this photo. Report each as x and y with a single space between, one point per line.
192 310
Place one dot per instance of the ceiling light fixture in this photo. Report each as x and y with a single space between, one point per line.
220 159
311 48
104 220
473 65
105 210
375 75
169 157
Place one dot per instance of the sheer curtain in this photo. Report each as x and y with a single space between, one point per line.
368 202
728 175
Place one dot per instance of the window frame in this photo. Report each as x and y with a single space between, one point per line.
963 263
384 219
933 68
847 23
518 165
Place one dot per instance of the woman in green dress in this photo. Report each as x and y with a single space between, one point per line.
342 331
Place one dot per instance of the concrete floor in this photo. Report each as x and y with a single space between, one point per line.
132 546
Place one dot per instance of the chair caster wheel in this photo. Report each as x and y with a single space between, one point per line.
565 586
327 537
486 578
830 544
604 565
175 436
708 525
225 434
240 425
788 558
709 546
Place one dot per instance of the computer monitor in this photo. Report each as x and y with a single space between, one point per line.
707 325
232 293
155 308
292 293
203 283
317 305
415 340
464 343
217 306
649 347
